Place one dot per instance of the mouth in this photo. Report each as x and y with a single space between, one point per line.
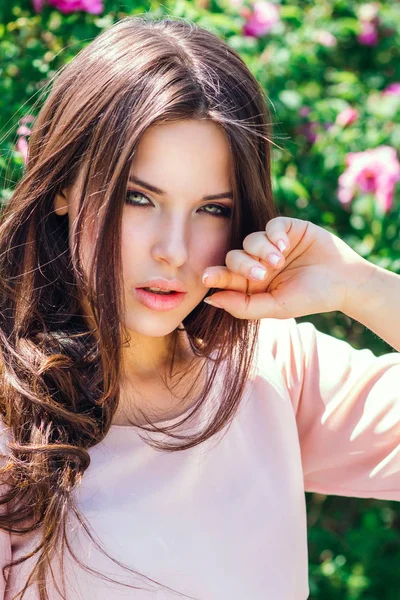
158 291
159 299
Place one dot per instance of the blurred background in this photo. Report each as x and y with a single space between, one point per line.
331 71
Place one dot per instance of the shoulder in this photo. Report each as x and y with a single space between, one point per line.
276 344
276 335
281 351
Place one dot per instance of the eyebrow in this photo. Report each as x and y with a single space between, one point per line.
156 190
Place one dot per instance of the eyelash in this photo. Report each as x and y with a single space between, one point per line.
224 214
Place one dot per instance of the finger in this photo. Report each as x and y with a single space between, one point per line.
256 306
257 266
259 256
260 247
277 230
242 263
222 277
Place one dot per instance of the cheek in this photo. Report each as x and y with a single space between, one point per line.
135 249
213 256
210 249
134 240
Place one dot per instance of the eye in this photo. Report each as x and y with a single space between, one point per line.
134 202
222 211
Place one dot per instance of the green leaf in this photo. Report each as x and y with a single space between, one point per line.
293 186
291 99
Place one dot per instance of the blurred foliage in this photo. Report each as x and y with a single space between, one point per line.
312 66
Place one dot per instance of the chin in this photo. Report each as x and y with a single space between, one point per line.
153 325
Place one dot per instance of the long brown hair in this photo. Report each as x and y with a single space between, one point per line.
60 380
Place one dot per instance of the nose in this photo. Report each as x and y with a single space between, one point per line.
170 244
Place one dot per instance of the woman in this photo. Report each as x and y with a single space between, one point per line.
148 188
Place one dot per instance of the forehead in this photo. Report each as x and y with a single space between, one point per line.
184 155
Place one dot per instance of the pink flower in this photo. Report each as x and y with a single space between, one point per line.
309 130
22 147
346 117
304 111
374 171
368 35
369 20
69 6
27 119
23 131
392 90
325 38
261 19
38 5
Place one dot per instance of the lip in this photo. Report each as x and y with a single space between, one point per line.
164 284
159 302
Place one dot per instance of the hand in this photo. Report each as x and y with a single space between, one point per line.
314 273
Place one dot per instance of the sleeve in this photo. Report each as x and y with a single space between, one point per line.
347 408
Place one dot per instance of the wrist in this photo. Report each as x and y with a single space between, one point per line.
362 289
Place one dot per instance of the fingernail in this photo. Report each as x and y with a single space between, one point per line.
281 245
258 273
209 301
205 277
273 259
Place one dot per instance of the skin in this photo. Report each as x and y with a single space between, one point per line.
163 236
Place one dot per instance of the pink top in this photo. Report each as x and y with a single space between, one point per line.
226 520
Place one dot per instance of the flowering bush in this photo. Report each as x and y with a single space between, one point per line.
331 72
373 171
333 84
23 131
70 6
260 18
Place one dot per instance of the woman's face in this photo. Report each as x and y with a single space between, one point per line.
175 234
